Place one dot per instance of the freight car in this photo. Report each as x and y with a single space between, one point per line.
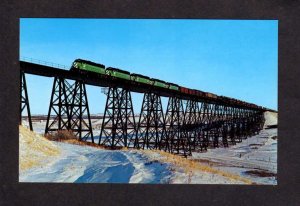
117 73
192 92
232 101
211 95
83 66
199 93
184 90
224 99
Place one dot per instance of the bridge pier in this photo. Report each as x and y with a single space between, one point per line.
200 141
211 137
242 124
59 105
225 126
78 110
245 122
151 129
204 119
217 124
175 142
231 127
236 125
258 121
24 100
69 105
118 122
249 123
190 125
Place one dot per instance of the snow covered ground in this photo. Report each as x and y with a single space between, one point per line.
85 164
254 159
258 153
92 165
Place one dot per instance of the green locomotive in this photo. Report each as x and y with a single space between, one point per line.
159 83
87 66
173 86
140 79
117 73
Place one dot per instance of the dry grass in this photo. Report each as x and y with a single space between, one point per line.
83 143
190 166
61 135
68 136
34 149
260 173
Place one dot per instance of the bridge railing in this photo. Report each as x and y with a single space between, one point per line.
45 63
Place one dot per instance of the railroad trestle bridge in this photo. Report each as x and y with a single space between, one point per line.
200 123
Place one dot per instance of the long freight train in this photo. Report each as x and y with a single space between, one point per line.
90 68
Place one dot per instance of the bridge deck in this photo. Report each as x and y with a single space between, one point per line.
107 81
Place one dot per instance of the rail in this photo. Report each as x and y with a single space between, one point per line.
45 63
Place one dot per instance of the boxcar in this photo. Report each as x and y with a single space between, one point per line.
140 78
117 73
159 83
184 90
234 101
225 99
211 95
192 92
199 93
87 66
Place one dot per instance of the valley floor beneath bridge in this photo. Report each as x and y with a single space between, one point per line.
255 159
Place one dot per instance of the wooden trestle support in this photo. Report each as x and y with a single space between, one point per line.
118 125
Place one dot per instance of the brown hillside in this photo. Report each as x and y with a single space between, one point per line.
34 149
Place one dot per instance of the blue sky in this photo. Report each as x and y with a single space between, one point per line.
235 58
